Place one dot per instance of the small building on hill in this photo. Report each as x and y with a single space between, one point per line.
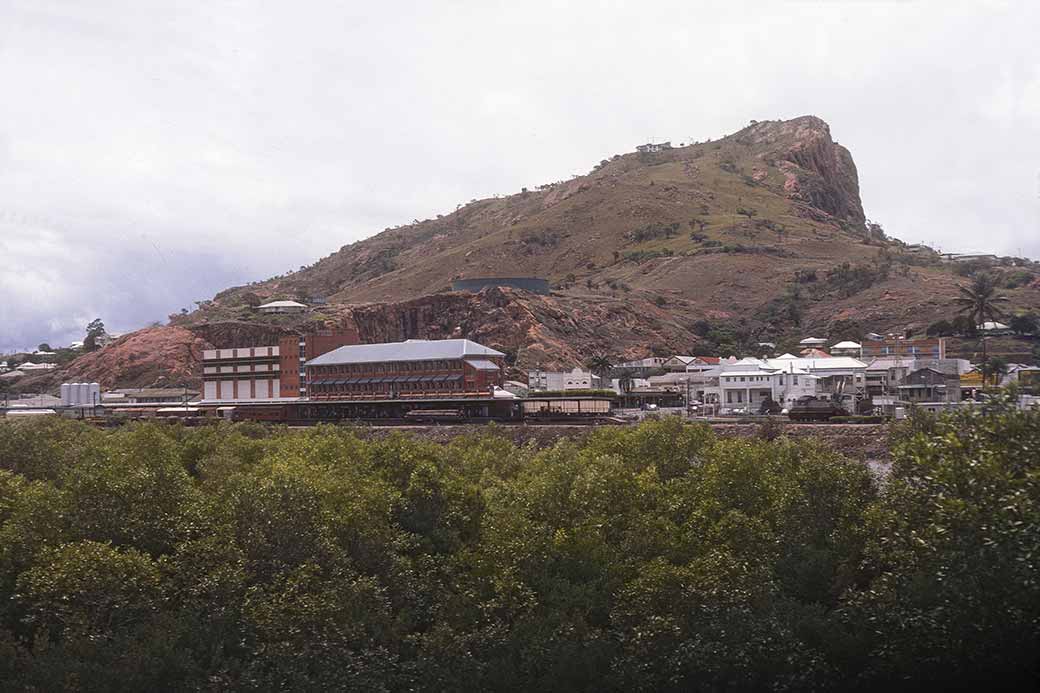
651 147
847 348
275 307
932 348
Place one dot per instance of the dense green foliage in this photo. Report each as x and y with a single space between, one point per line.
657 557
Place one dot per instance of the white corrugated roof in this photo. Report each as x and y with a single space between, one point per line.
828 364
813 340
283 304
847 345
412 350
483 364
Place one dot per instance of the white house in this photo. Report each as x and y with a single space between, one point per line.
747 383
836 375
575 379
282 307
690 364
994 328
847 348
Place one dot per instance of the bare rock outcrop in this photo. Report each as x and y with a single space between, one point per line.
818 171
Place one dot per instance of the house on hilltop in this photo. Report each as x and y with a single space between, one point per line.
275 307
651 147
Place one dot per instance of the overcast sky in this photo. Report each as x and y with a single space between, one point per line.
155 152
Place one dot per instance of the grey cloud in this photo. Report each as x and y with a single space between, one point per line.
153 153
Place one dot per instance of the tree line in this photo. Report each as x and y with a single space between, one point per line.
657 557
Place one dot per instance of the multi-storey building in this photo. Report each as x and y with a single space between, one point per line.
932 348
267 372
294 351
242 373
749 382
641 368
885 375
575 379
931 385
414 368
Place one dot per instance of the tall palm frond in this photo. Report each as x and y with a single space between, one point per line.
599 364
980 300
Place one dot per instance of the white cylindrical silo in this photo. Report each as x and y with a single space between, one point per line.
64 394
82 393
95 394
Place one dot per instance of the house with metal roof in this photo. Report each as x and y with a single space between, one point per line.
747 383
415 368
282 307
847 348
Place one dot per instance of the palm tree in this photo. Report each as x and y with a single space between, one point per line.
626 381
994 367
599 364
979 301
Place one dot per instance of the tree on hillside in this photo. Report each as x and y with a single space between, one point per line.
44 346
1023 324
964 326
599 364
980 300
993 368
941 328
95 329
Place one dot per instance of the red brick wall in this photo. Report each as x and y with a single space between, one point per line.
315 344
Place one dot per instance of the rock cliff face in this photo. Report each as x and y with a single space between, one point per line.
539 331
817 171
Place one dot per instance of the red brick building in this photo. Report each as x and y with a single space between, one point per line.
295 351
266 372
415 368
934 348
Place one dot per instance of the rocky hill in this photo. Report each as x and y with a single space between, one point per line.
707 247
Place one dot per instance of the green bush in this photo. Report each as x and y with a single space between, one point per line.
858 419
651 557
